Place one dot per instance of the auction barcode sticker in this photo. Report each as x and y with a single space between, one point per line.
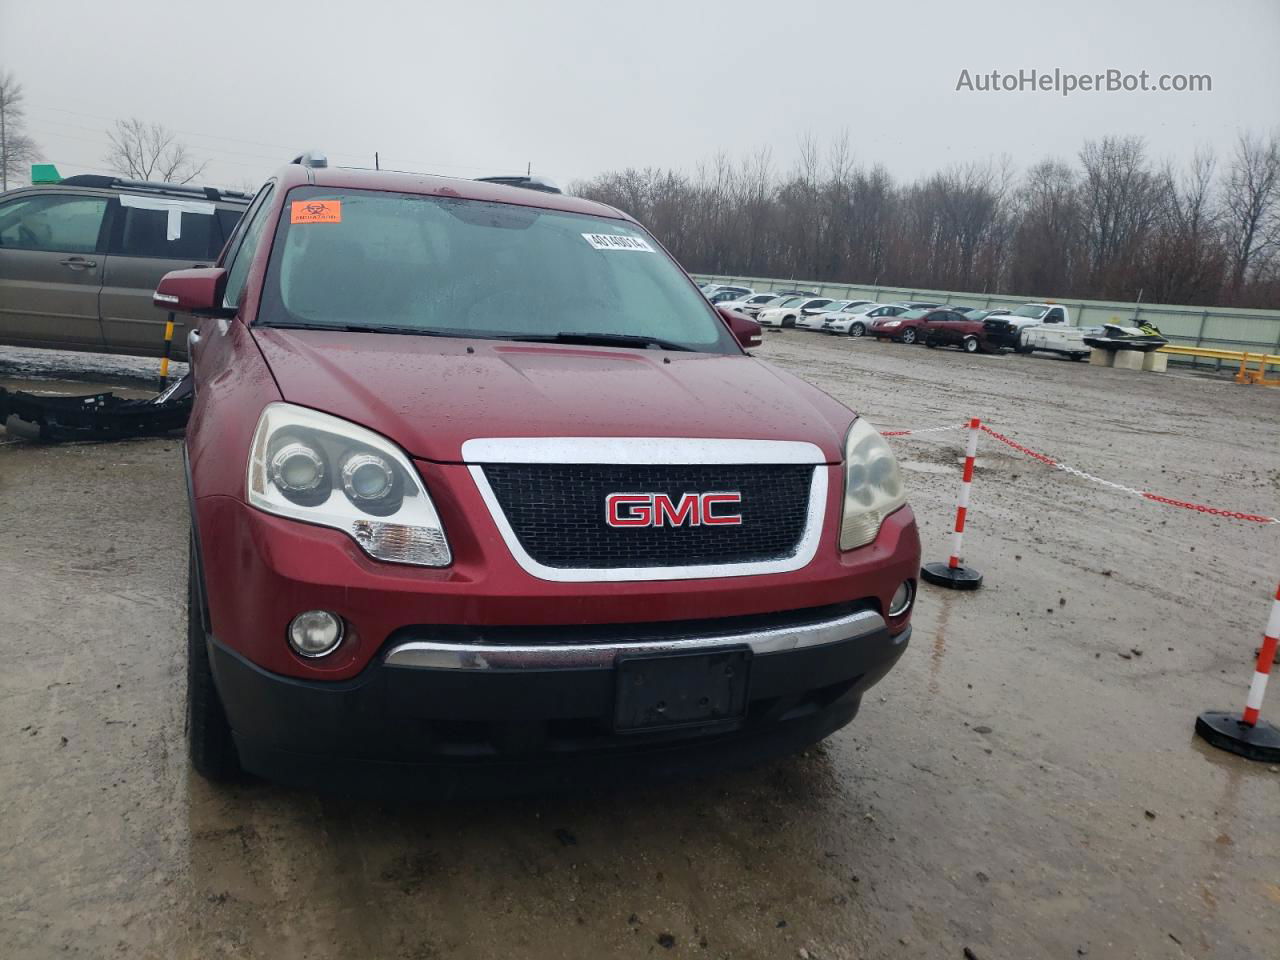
615 241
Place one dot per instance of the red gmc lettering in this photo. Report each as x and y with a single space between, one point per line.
659 510
638 509
709 500
665 511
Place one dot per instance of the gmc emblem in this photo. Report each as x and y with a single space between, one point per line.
659 510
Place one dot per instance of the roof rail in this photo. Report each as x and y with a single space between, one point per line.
519 180
149 186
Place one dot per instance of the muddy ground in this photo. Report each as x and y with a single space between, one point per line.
1024 785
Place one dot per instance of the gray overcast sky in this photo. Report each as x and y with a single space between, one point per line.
582 87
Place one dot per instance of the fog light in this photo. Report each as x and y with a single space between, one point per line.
902 598
315 633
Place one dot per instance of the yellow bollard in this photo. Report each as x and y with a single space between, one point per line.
164 359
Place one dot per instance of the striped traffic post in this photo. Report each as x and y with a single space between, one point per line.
1248 734
953 573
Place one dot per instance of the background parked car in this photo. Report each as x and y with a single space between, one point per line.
1034 314
905 327
753 304
80 259
725 294
790 310
999 331
814 319
950 327
855 321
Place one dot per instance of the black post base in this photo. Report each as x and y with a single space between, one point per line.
1226 732
955 578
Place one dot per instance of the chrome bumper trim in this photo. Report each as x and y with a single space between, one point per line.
476 656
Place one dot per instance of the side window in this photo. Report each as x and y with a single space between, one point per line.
242 256
60 223
1056 315
227 218
145 234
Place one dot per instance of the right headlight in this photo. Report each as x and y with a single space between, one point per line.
872 485
310 466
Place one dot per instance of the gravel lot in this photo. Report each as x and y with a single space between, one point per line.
1024 785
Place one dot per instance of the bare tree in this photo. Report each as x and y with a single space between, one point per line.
1251 204
150 151
1108 227
1118 192
16 148
1184 260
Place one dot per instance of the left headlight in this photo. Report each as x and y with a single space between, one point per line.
320 469
872 485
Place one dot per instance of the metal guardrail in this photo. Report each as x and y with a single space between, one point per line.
1242 357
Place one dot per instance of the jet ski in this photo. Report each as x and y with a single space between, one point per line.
1144 338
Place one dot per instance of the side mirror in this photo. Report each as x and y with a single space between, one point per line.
745 330
192 291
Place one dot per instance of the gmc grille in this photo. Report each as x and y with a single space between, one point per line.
557 512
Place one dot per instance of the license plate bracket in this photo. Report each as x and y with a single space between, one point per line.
664 691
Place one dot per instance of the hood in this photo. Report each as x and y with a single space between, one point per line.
432 394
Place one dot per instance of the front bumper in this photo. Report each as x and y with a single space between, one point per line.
260 571
1002 339
452 710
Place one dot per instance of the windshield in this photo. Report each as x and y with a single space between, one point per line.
916 314
408 263
861 308
791 301
1028 310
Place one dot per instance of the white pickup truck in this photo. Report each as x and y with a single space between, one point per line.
1047 327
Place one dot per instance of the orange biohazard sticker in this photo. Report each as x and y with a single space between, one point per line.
316 211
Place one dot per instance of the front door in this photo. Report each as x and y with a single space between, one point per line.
152 237
51 268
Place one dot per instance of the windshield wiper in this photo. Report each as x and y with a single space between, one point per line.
603 340
368 328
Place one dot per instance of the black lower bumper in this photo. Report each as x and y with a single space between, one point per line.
448 731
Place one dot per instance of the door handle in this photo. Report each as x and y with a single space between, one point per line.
78 263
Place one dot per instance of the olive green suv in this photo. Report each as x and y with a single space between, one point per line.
79 259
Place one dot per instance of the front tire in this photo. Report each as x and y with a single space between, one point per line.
908 336
857 330
789 322
212 751
971 344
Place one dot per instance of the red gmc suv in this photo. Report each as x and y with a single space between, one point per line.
482 486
